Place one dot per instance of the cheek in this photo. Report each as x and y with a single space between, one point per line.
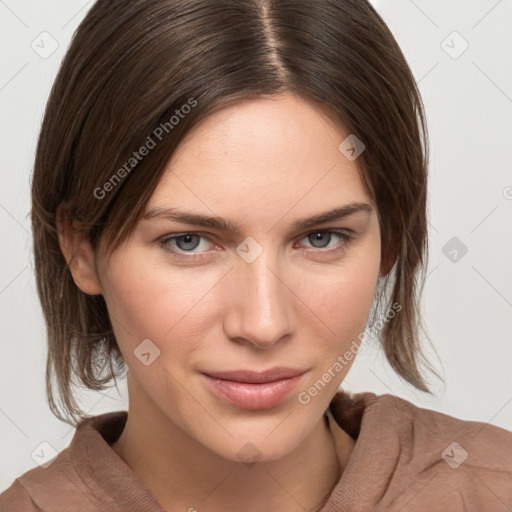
341 299
152 301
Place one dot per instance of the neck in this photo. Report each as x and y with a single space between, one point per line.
183 474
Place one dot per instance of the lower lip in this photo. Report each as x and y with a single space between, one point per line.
253 396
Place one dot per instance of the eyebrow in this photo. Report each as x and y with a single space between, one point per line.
221 224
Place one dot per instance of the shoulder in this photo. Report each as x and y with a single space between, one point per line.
469 461
72 479
414 425
426 458
17 499
472 442
45 487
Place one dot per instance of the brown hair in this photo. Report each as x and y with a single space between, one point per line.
132 66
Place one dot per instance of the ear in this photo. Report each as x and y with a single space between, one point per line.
79 255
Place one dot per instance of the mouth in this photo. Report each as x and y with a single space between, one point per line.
247 389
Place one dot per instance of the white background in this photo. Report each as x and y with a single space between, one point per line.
467 303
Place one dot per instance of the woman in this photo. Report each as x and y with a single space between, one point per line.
224 195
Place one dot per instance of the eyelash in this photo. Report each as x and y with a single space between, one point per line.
164 243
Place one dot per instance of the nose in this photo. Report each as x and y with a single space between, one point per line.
260 307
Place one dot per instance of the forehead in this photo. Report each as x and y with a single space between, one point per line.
261 157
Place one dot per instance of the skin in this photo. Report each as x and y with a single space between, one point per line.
262 164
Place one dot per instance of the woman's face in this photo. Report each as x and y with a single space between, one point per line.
272 294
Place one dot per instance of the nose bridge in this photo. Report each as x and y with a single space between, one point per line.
262 296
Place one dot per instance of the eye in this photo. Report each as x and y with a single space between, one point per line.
320 240
185 244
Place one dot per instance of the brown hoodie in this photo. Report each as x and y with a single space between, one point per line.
405 459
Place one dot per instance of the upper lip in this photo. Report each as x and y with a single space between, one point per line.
252 377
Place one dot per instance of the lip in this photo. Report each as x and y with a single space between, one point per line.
252 377
254 390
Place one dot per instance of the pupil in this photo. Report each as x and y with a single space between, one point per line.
318 236
189 245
